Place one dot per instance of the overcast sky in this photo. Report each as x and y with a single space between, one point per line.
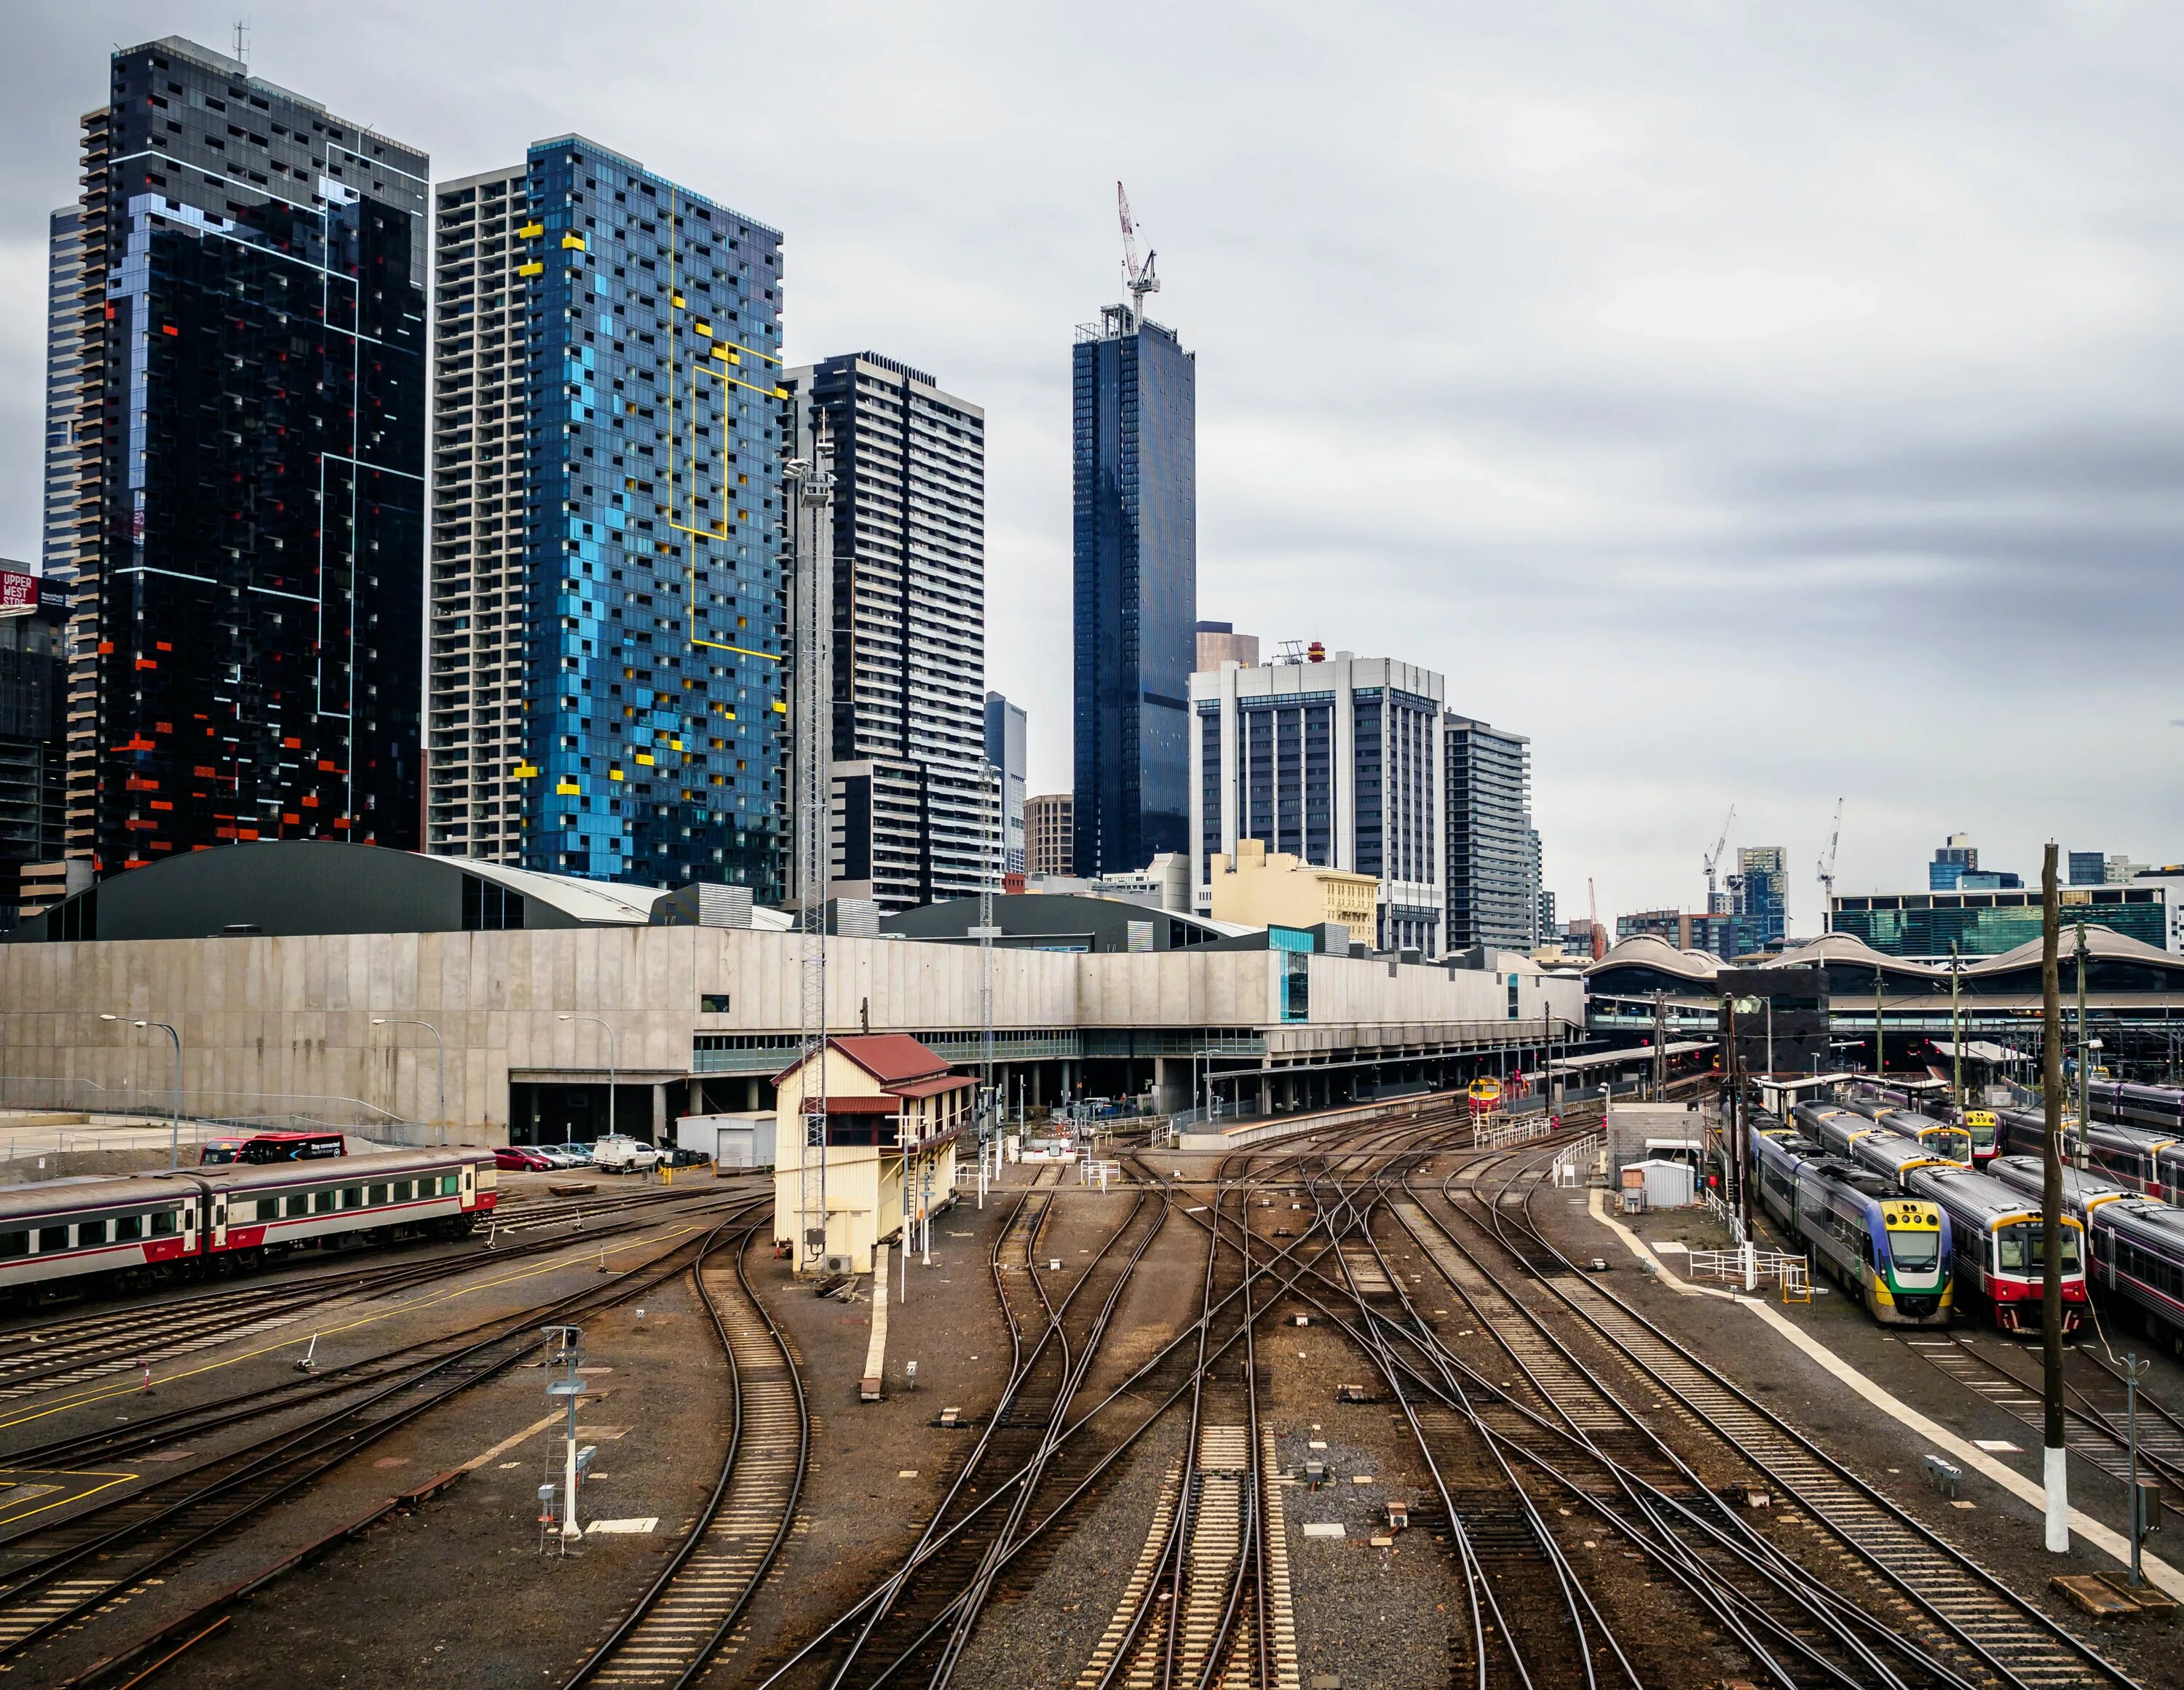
1752 403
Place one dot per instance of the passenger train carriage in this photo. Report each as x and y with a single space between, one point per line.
2083 1192
2160 1107
153 1228
1944 1141
1894 1252
2001 1246
1978 1124
2138 1255
2149 1162
1852 1136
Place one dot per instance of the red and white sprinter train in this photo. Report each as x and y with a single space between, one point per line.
142 1229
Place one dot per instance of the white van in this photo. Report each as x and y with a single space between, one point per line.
623 1155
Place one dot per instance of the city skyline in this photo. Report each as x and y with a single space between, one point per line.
1697 413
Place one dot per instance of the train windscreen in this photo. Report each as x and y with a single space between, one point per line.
1913 1251
1951 1145
2018 1249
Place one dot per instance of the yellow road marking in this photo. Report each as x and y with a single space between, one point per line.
112 1479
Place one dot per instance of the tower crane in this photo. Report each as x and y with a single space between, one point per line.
1828 871
1139 279
1714 857
1592 936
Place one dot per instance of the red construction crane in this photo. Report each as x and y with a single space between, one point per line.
1138 278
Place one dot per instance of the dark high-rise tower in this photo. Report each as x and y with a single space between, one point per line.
248 448
1136 545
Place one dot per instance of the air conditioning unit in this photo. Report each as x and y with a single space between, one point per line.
837 1264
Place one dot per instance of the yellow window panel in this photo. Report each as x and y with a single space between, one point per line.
677 743
706 329
576 240
722 352
531 231
780 707
645 758
678 300
566 788
614 773
525 771
781 392
533 269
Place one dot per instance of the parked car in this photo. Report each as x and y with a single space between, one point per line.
517 1160
561 1156
624 1155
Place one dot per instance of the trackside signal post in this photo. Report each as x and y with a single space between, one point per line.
567 1388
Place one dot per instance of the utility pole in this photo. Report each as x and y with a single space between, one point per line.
1660 1045
2085 1068
814 481
2054 1457
1880 1042
1956 1033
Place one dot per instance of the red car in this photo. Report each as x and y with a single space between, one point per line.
520 1161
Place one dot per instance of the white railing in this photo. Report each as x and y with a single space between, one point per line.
1571 1158
1728 1217
1753 1267
1517 1132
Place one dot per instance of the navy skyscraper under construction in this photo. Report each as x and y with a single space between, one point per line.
1135 522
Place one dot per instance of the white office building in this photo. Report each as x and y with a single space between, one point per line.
1338 762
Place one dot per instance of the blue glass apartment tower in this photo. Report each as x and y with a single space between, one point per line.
238 493
1135 519
608 693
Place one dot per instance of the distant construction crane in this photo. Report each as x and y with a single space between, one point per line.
1828 871
1593 936
1714 858
1139 279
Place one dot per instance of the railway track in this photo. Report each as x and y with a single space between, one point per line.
2009 1639
61 1354
2092 1431
56 1576
685 1621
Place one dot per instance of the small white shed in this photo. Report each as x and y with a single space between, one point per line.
1669 1184
744 1139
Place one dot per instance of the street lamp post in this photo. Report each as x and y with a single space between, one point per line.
400 1022
613 1066
175 1139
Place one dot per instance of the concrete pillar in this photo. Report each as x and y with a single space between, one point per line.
659 1114
751 1094
1266 1095
695 1097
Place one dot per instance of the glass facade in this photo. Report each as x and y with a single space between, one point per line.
652 672
249 580
1759 896
1493 851
1135 545
1982 924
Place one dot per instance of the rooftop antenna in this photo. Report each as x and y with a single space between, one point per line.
242 44
1138 278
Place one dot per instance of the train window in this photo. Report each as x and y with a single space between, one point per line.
52 1238
15 1244
90 1232
321 1201
378 1194
163 1223
352 1196
299 1203
127 1227
269 1208
448 1184
404 1190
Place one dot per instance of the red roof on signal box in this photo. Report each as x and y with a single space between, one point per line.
891 1059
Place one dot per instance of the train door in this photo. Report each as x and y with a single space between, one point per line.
216 1198
470 1185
